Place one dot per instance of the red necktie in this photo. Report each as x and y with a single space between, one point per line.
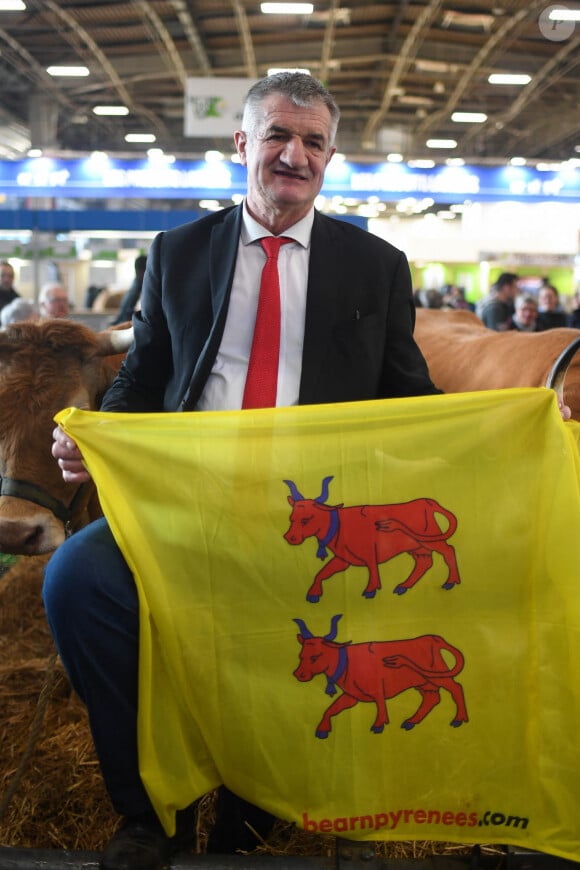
262 377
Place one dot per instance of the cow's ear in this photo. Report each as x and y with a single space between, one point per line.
300 639
290 500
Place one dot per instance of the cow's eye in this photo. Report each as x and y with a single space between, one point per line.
315 658
305 520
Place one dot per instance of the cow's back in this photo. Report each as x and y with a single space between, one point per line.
463 355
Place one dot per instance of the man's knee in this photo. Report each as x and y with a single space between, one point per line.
78 568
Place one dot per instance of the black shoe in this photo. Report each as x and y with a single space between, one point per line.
142 844
239 825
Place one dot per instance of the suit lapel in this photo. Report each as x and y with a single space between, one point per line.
323 304
223 249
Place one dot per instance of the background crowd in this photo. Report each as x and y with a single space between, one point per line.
508 306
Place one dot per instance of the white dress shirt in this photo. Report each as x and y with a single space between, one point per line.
224 389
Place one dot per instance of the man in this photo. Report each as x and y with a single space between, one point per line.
7 292
550 315
525 318
53 300
497 311
347 320
133 294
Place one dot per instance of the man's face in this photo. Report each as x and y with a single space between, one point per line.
286 156
547 299
6 277
55 304
527 314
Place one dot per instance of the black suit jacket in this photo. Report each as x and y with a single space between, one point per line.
358 339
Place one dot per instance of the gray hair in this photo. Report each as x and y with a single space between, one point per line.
300 88
16 311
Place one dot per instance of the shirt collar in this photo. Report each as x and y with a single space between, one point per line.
300 231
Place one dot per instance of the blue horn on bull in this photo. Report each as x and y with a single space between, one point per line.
324 494
294 493
305 632
333 627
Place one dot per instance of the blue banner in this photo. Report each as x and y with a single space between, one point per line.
159 179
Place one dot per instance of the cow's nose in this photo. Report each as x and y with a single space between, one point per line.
31 536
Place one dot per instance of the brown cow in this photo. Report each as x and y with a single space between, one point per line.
45 367
463 355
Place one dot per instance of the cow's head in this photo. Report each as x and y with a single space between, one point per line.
308 517
45 367
318 654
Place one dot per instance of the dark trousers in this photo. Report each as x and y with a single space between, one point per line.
92 608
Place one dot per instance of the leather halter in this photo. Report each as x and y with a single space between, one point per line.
27 491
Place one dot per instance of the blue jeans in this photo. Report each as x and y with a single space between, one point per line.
92 608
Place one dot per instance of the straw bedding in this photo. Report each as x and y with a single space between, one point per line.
51 792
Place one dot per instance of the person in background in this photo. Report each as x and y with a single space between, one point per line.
347 319
550 314
7 292
454 297
573 318
17 311
497 310
525 318
133 294
53 300
91 294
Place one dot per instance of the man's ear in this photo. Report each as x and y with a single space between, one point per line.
240 141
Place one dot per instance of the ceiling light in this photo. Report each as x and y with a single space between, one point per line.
72 71
509 79
110 110
518 161
421 164
469 117
12 6
455 161
283 69
140 137
214 156
287 8
35 152
564 15
441 143
394 157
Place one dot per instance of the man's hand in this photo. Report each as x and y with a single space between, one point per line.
565 411
69 458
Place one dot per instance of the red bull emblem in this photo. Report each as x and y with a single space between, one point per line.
367 535
375 671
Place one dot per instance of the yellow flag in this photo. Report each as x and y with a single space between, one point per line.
362 617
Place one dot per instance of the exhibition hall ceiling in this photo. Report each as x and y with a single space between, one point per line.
399 72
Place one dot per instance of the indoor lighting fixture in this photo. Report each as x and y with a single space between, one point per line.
35 152
509 79
518 161
469 117
421 164
455 161
110 110
140 137
441 143
564 15
12 6
287 8
72 71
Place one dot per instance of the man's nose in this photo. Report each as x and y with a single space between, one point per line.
294 153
